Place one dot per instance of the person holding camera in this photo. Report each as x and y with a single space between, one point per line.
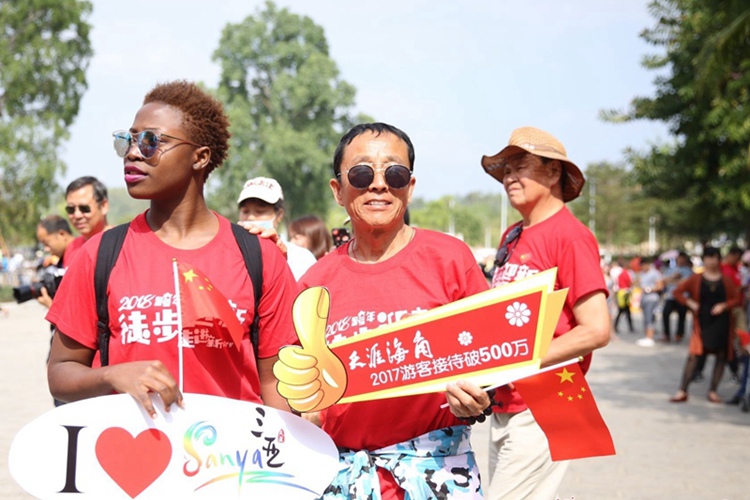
54 233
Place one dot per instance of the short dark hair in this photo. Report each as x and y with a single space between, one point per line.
377 129
100 190
711 252
735 250
205 120
684 255
55 223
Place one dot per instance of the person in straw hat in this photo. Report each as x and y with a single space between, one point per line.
539 179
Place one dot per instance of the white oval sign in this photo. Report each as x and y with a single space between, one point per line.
108 447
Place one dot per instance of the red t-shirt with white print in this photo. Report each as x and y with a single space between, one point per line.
143 314
432 270
560 241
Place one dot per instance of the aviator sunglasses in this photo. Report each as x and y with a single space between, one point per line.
148 142
71 209
505 250
361 176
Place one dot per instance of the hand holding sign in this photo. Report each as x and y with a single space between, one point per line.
310 377
493 337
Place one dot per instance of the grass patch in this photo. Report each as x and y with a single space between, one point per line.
6 293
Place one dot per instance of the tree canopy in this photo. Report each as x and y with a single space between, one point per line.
703 94
44 53
288 107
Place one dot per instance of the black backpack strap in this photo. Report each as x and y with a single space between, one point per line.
109 250
250 247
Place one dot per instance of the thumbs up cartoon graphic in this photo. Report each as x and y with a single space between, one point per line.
310 376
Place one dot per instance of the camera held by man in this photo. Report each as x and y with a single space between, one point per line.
54 233
49 280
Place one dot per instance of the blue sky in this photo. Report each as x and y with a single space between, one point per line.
458 77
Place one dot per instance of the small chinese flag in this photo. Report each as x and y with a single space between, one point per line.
564 407
201 300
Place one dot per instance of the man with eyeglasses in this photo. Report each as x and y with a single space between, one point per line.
87 206
539 179
407 447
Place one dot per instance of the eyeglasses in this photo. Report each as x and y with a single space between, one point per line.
148 142
71 209
505 250
361 176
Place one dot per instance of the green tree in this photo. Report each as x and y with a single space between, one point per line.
288 108
704 171
719 50
44 53
462 216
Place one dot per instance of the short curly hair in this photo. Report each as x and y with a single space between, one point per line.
205 120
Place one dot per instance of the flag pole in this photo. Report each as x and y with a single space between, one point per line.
179 323
541 370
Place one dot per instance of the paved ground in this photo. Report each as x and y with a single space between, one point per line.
695 451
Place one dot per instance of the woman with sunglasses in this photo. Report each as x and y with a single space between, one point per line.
179 136
539 179
389 270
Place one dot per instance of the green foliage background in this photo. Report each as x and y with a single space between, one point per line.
44 53
702 91
289 106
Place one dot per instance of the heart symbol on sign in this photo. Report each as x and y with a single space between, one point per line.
133 463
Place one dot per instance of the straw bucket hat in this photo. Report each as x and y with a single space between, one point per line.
539 143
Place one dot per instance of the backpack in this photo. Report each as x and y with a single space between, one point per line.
109 250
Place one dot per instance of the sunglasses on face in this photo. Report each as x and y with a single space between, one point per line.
147 141
505 250
361 176
84 209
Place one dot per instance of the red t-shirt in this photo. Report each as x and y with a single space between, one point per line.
71 250
434 269
624 281
563 242
733 273
143 314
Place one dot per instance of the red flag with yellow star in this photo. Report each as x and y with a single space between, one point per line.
564 407
205 310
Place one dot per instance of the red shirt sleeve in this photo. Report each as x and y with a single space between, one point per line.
73 309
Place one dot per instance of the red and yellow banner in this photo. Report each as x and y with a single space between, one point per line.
487 338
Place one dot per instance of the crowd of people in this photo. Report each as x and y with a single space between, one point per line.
410 447
710 292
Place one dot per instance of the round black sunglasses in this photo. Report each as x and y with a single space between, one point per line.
361 176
